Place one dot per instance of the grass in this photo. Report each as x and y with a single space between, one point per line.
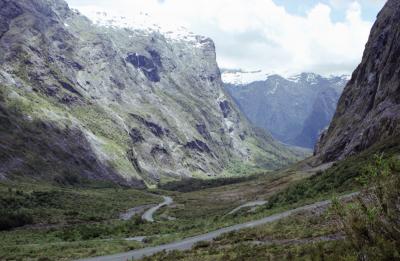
340 178
292 238
65 250
244 252
370 226
68 222
193 184
49 204
197 211
371 222
98 121
238 169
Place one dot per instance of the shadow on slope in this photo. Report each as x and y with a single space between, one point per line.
37 149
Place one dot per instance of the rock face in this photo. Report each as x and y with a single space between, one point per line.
295 109
369 109
105 102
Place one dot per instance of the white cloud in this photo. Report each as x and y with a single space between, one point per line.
259 34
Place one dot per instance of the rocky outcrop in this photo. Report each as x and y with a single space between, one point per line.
369 109
147 65
145 107
8 11
198 145
136 136
225 108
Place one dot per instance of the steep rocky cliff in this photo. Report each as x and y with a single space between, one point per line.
294 109
369 109
83 100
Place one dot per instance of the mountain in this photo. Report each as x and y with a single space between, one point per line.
294 109
113 102
369 108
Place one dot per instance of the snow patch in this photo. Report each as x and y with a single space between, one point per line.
240 77
273 90
221 98
141 22
228 123
310 78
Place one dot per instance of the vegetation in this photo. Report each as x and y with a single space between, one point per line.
189 185
341 177
295 238
364 228
50 205
195 212
65 250
12 219
92 228
372 223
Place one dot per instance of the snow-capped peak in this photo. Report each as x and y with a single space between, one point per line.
310 78
137 21
345 77
241 77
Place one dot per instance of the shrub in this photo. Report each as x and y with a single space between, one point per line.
372 223
9 220
67 179
202 244
84 232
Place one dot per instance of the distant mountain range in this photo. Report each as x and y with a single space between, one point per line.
294 109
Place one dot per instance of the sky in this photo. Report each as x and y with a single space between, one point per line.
277 36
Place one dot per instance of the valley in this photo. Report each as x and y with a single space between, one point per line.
122 141
294 109
194 213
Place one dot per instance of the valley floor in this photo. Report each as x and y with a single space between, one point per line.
188 243
67 223
64 230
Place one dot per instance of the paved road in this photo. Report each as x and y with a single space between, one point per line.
187 243
148 215
249 204
135 211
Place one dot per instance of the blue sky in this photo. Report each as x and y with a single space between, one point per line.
279 36
369 8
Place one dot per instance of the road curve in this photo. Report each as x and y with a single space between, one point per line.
248 204
148 215
187 243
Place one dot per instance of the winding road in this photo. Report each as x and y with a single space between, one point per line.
249 204
187 243
148 215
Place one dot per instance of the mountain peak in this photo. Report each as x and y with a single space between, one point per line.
241 77
294 109
308 77
117 98
140 21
